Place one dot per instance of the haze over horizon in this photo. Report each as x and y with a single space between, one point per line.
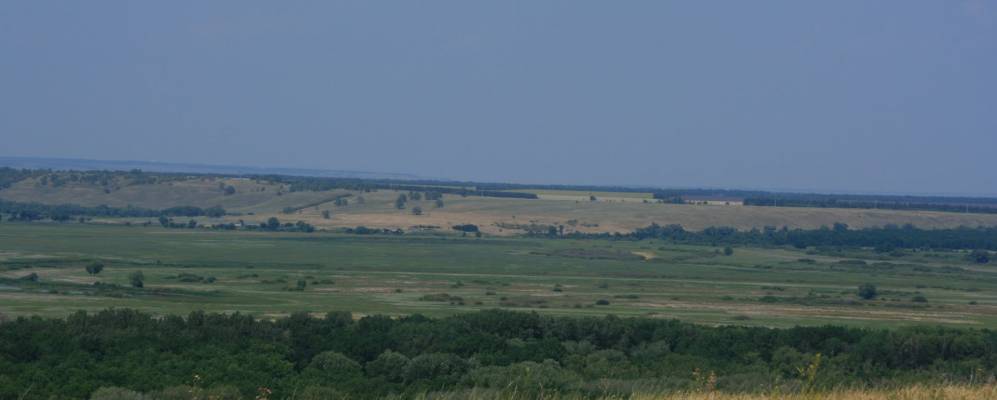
880 97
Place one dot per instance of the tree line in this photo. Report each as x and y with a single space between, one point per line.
912 203
319 184
882 239
64 212
339 357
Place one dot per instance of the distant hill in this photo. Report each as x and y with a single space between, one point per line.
152 166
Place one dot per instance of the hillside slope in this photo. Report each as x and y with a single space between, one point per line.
255 200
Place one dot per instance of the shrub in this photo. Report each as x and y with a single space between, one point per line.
979 256
867 291
137 279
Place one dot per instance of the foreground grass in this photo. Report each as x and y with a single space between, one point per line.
948 392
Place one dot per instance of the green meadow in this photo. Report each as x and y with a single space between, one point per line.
42 272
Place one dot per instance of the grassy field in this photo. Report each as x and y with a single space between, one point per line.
258 273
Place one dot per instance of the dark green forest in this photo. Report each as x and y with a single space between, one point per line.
379 355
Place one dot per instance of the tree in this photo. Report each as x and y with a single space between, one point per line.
439 203
229 190
272 224
326 214
94 268
867 291
416 210
592 198
728 251
191 224
400 201
390 365
165 222
137 279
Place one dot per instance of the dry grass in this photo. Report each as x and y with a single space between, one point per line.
907 393
950 392
603 216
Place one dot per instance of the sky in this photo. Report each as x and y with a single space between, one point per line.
893 96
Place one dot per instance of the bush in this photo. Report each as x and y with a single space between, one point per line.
979 256
137 279
867 291
466 228
602 302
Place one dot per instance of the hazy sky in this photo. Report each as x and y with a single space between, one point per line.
879 96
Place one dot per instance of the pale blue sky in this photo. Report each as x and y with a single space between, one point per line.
872 96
